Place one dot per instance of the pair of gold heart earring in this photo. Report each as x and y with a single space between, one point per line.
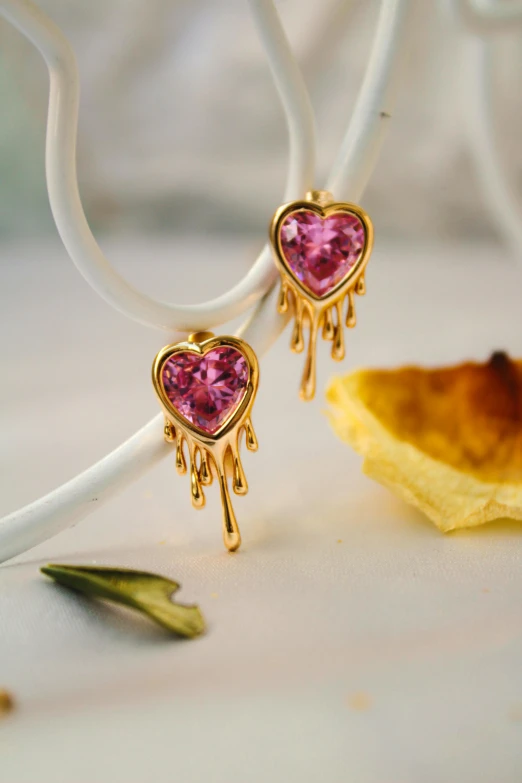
207 385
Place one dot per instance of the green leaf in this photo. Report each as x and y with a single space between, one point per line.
148 593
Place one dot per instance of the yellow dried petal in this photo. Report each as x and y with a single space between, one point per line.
448 440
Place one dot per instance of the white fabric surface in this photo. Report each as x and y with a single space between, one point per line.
348 640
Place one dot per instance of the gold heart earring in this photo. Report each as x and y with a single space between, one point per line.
321 248
206 387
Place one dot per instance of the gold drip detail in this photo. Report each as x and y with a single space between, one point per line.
316 313
217 455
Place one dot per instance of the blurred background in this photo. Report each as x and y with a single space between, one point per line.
340 590
178 108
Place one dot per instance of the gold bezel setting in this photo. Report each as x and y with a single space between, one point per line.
319 311
211 454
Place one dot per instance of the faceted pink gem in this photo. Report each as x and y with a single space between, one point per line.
205 390
321 251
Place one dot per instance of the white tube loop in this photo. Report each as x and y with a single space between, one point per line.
294 97
44 518
62 180
481 19
361 145
47 516
498 194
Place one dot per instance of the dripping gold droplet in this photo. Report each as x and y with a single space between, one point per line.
198 497
240 484
282 304
328 326
181 465
169 432
205 472
307 390
297 342
350 315
251 439
338 340
231 535
360 287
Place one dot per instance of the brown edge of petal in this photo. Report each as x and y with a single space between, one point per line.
6 702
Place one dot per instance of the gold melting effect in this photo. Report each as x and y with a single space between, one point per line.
211 456
446 440
330 313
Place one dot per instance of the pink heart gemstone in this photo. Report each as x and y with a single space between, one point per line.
321 251
205 390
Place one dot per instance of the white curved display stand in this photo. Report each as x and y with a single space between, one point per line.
357 156
482 19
